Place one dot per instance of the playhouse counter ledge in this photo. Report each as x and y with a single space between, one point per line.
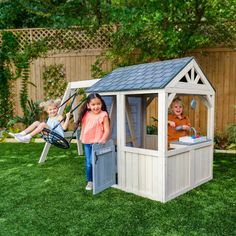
175 148
178 147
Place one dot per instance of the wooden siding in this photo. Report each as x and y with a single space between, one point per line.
141 175
202 164
145 173
188 169
178 173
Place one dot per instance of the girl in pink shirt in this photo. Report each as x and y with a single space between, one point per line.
94 121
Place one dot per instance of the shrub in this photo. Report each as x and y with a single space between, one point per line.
31 113
231 132
54 81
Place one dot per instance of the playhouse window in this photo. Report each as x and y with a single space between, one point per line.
194 114
141 121
141 116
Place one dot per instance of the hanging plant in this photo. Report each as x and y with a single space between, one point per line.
54 82
22 62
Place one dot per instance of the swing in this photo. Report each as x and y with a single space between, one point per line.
52 137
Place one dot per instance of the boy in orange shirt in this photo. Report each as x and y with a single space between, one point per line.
177 119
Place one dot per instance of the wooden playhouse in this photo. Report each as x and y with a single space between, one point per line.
147 166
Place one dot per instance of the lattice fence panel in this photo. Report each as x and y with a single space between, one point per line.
66 39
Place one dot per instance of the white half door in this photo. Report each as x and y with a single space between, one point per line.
104 166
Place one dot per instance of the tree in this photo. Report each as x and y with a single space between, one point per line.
146 30
157 30
52 13
6 107
167 29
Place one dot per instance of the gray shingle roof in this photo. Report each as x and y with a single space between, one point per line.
139 77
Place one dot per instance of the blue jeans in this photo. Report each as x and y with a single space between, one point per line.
88 158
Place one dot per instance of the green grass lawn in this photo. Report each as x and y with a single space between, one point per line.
50 199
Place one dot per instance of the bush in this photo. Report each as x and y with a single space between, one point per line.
54 81
151 129
32 113
231 132
226 140
220 141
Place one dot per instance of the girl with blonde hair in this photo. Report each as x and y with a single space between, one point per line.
54 120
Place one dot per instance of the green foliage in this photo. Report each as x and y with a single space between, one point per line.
51 13
231 131
4 134
54 82
221 141
180 26
32 113
14 64
22 60
227 140
24 13
145 30
8 49
96 68
6 106
151 129
158 30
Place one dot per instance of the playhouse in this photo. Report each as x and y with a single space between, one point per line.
148 166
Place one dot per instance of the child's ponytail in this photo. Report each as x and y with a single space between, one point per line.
44 105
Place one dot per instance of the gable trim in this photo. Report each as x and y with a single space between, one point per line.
194 77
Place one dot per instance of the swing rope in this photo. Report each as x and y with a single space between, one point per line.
50 136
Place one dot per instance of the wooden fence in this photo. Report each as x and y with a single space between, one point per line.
65 40
219 65
77 67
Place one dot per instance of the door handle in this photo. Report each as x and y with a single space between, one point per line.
96 157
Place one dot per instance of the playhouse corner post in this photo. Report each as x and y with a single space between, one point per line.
162 141
162 123
121 138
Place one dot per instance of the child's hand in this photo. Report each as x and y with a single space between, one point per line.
103 141
68 115
171 123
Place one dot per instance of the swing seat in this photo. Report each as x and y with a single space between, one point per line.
55 139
